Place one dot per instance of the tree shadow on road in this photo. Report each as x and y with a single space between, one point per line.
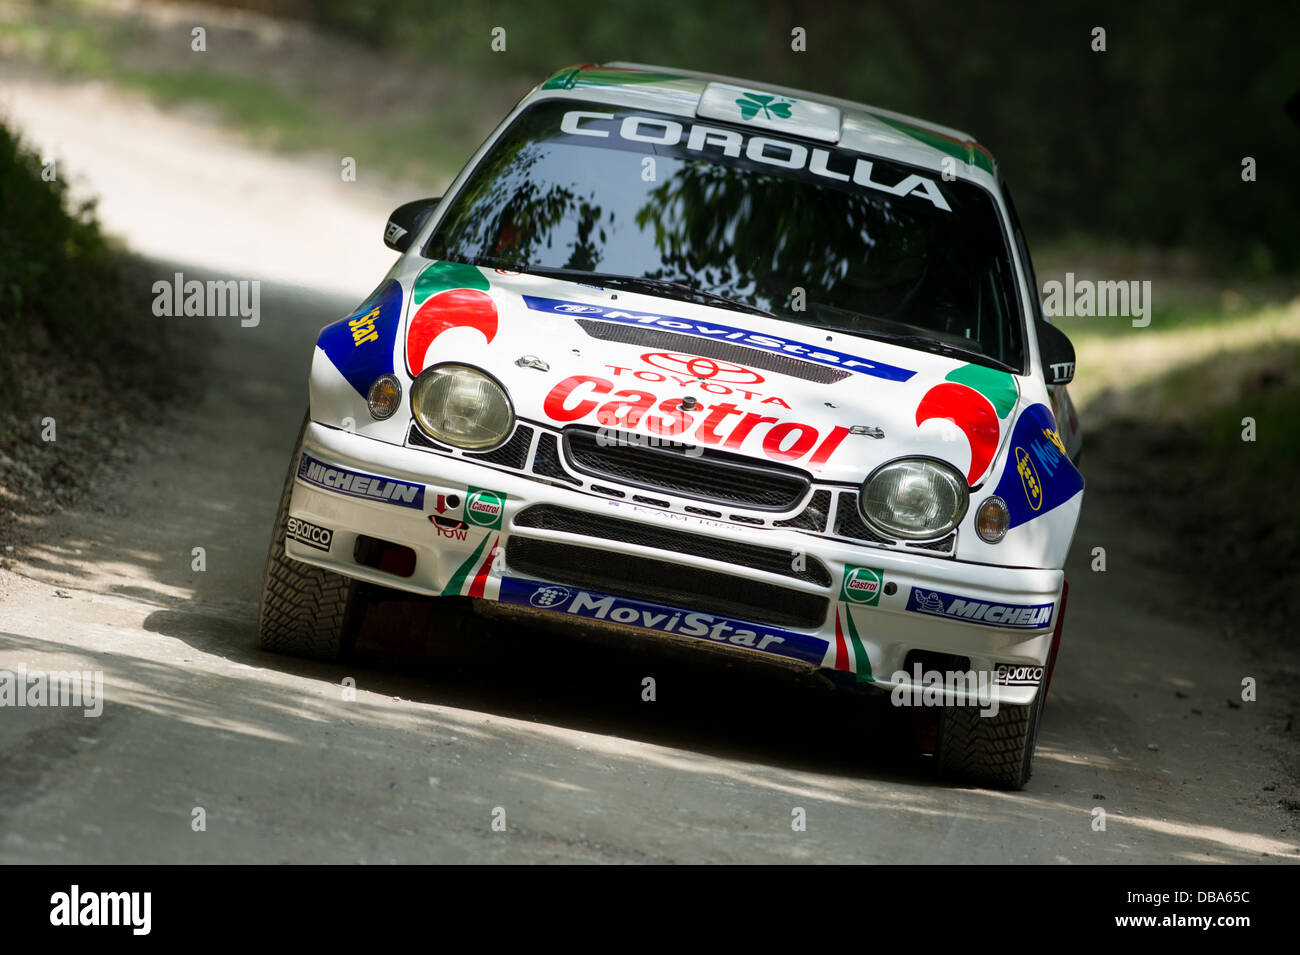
703 701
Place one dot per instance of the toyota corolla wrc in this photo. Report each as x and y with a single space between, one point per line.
721 362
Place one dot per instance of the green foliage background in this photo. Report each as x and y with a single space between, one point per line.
53 261
73 307
1143 142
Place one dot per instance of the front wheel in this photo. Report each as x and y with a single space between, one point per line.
997 750
305 611
993 750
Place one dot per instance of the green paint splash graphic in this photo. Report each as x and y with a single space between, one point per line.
441 276
997 386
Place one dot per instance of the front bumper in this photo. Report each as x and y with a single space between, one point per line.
875 613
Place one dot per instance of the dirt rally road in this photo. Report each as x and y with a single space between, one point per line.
550 729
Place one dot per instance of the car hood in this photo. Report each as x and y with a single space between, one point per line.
774 391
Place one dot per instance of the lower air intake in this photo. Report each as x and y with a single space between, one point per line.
641 578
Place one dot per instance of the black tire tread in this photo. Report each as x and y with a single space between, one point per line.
989 750
304 610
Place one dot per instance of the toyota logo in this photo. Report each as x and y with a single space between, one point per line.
579 309
704 368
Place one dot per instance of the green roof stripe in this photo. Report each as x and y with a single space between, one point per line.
576 77
968 152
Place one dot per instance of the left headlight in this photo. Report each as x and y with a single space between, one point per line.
461 406
914 498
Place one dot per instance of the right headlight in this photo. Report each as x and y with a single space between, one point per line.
914 498
461 406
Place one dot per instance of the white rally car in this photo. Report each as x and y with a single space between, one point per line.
722 361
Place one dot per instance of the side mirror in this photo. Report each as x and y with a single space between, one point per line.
406 221
1057 354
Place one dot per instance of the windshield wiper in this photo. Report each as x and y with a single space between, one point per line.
667 287
943 348
690 293
914 341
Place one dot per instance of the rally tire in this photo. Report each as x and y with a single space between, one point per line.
996 751
305 611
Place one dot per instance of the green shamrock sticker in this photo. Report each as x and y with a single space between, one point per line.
751 103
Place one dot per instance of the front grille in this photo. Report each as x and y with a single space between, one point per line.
641 578
703 512
773 560
421 440
813 517
714 476
944 544
708 475
546 462
780 363
512 454
849 523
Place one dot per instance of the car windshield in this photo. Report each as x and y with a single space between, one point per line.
803 230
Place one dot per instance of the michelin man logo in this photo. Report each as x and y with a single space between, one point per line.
929 602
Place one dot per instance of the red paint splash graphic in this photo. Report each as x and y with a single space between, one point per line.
971 412
454 308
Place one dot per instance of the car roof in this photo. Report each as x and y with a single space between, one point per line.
862 128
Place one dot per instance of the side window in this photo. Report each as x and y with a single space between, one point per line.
1036 291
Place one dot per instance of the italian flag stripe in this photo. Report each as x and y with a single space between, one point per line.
862 662
480 579
841 648
457 581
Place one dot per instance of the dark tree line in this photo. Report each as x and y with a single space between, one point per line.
1143 142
